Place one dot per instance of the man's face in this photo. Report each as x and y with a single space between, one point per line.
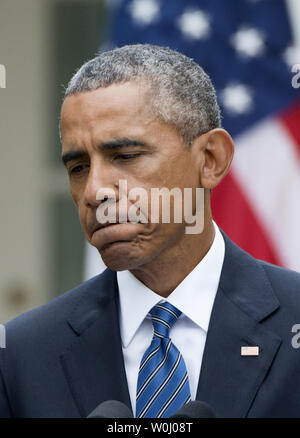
108 135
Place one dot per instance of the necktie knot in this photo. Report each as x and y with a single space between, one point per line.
164 316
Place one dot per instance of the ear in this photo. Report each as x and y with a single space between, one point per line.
216 150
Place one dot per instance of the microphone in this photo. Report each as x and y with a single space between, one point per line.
111 409
116 409
195 409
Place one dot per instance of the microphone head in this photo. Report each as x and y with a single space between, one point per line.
111 409
195 409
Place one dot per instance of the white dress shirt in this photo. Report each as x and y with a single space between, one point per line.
194 297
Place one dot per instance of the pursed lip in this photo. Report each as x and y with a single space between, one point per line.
117 232
99 226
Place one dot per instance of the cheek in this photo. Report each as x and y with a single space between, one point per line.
177 171
83 216
77 196
73 193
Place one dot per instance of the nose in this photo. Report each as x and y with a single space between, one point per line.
100 184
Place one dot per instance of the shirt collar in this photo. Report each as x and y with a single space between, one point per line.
194 296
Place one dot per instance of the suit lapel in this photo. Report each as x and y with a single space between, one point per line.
229 381
93 363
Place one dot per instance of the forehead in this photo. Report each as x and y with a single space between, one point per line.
112 105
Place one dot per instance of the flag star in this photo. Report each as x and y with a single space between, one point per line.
248 42
237 99
291 55
194 24
144 12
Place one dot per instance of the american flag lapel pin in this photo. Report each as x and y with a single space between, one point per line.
250 350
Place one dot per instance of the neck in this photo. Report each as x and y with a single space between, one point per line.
166 272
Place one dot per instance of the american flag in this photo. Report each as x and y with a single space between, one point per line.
247 48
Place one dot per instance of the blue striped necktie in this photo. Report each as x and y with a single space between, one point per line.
163 385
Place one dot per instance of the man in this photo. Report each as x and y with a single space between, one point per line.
148 116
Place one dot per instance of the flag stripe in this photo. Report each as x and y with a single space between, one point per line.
233 213
271 182
291 121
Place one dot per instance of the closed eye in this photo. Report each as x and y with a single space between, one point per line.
78 169
127 156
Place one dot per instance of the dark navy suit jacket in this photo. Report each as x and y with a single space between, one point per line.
64 358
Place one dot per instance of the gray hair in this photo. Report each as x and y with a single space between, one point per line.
182 94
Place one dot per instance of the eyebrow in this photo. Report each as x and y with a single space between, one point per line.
72 155
117 143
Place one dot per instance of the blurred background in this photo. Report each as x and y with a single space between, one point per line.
249 48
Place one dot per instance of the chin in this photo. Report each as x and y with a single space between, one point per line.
121 256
